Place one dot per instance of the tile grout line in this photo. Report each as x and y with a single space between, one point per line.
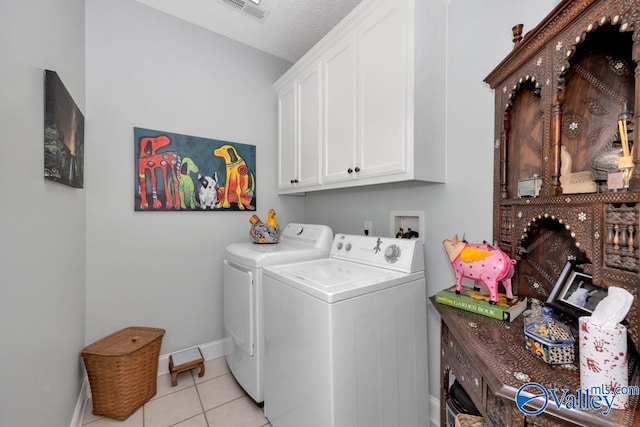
204 414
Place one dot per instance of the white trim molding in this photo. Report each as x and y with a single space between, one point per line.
434 410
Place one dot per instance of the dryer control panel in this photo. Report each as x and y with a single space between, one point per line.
404 255
316 235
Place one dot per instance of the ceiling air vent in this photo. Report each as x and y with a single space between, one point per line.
247 8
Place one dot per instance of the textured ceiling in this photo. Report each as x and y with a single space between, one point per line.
289 30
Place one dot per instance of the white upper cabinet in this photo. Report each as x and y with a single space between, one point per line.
340 133
287 165
299 127
380 88
382 92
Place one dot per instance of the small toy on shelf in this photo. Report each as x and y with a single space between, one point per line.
264 233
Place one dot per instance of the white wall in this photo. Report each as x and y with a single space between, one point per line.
151 70
146 69
42 223
478 38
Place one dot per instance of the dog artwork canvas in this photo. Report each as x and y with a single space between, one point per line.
175 172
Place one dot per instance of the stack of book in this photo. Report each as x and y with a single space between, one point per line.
477 301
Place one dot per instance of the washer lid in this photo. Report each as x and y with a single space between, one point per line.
332 280
260 255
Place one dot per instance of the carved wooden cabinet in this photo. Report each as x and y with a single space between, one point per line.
558 97
563 88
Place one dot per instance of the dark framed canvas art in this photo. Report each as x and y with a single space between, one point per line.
175 172
63 134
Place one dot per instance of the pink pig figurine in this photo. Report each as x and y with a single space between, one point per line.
480 263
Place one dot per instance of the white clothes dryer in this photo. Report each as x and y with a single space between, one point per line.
346 337
243 306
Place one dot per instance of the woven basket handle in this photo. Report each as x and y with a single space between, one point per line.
135 338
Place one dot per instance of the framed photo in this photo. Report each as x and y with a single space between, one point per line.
63 134
575 293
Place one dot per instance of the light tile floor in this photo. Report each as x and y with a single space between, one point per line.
215 400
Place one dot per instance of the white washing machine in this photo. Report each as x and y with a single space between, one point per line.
346 337
243 306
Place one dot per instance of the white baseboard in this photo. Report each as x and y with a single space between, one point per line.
211 350
434 410
81 405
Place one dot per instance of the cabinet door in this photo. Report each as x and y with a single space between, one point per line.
309 127
340 111
287 137
383 64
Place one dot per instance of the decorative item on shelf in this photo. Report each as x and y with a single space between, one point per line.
615 180
625 119
549 340
605 165
534 309
265 233
529 187
606 161
517 33
574 182
478 301
574 293
625 162
480 263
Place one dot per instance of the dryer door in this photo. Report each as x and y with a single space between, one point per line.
239 301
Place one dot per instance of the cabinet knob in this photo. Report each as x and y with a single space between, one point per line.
291 181
357 169
294 181
349 170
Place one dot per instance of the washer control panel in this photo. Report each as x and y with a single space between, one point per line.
396 254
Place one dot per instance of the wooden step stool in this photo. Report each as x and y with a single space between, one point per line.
183 361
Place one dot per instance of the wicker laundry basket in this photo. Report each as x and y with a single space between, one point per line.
123 370
466 420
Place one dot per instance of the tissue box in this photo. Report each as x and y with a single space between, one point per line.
549 340
604 359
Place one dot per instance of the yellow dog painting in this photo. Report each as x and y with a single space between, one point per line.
239 184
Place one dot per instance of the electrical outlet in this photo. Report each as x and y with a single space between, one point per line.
368 226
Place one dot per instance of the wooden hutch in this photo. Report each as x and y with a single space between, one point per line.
565 84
